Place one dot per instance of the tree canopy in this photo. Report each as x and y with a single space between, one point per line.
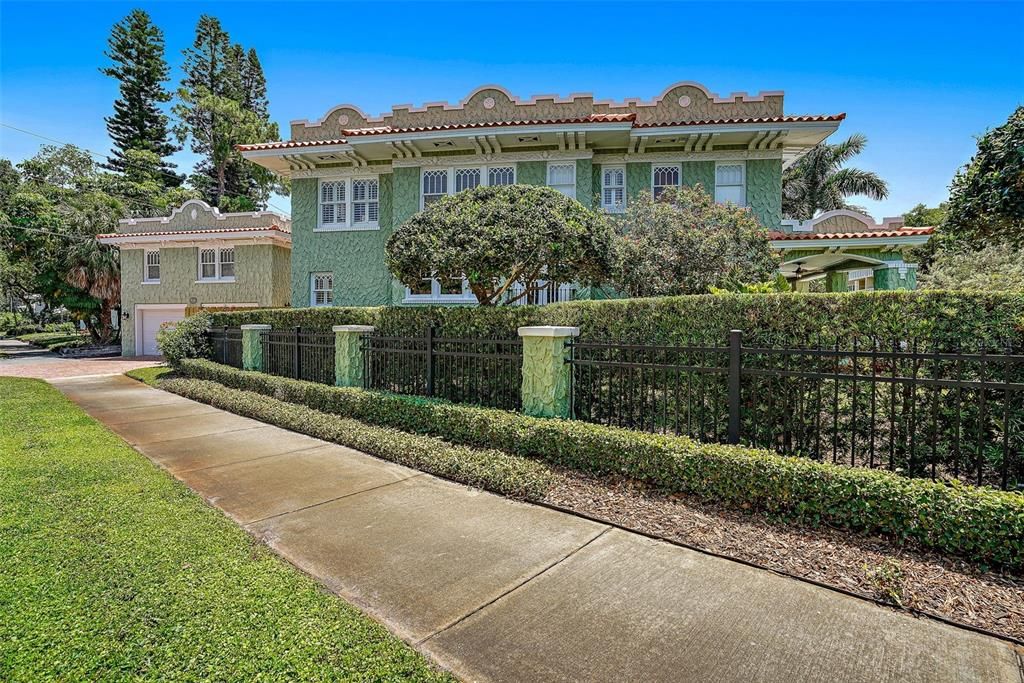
685 243
923 216
817 182
497 237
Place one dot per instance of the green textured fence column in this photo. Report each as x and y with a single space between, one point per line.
348 357
252 349
545 372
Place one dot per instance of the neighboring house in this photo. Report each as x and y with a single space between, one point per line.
849 251
193 259
355 178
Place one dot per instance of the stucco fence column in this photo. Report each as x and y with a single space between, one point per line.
545 389
348 354
252 348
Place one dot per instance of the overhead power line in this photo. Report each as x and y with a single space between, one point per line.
107 158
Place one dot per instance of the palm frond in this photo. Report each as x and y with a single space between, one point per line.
854 181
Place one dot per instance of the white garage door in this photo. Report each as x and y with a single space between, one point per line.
150 321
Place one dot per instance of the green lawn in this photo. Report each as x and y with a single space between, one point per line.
111 570
55 340
149 375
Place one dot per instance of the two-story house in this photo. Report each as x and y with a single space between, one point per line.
355 178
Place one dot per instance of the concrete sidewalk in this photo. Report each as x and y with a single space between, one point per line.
498 590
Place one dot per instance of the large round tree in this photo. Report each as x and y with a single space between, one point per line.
496 237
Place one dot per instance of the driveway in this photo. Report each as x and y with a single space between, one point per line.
18 359
499 590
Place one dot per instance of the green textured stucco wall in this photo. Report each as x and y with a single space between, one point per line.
355 257
532 173
261 277
638 179
699 173
584 182
764 191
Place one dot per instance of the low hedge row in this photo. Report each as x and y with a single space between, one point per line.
485 468
984 525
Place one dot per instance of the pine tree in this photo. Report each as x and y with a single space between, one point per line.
136 47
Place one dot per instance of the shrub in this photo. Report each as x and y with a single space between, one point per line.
55 341
508 474
185 340
984 525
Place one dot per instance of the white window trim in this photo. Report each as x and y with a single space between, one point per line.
216 263
678 166
609 208
547 174
436 296
146 280
743 165
313 290
484 177
348 225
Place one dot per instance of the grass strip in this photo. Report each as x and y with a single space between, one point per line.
112 571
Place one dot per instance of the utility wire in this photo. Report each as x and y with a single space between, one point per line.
107 158
81 238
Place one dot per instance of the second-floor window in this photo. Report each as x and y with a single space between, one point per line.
217 264
349 204
664 178
152 267
730 183
439 182
613 188
562 177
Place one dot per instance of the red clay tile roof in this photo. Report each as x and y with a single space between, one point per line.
276 228
287 144
902 232
593 118
824 118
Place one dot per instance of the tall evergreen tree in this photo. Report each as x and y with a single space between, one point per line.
136 48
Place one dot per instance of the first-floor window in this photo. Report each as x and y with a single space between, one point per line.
562 177
664 178
501 175
435 185
217 264
323 289
466 178
440 287
348 204
152 273
439 182
613 188
730 184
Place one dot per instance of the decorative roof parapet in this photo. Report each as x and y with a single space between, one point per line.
679 104
196 214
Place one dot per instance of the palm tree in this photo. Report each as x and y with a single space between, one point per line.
818 183
96 268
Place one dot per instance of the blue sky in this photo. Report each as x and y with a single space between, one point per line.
920 80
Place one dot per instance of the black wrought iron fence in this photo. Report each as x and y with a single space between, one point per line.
226 345
299 354
905 406
486 372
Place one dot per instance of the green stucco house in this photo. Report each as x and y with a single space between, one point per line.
356 177
197 258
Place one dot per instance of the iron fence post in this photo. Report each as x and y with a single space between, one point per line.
224 346
430 360
295 352
735 349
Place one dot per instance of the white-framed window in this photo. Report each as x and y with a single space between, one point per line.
664 177
731 182
440 289
613 188
151 272
562 177
217 264
349 204
321 289
439 182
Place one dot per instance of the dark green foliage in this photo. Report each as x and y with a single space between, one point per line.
947 317
511 475
923 216
986 199
136 48
499 236
983 525
187 339
114 571
54 341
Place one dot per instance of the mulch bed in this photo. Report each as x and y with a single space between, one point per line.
903 576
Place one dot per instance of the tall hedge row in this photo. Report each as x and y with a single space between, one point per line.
950 318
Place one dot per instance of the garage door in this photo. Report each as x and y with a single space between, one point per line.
150 321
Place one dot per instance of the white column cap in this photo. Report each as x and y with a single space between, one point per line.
353 328
549 331
255 327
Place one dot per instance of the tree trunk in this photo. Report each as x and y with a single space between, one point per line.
221 182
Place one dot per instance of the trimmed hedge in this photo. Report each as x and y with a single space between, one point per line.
966 318
508 474
984 525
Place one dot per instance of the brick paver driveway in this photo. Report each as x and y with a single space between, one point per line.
18 359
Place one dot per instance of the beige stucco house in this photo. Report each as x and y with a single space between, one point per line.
197 258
